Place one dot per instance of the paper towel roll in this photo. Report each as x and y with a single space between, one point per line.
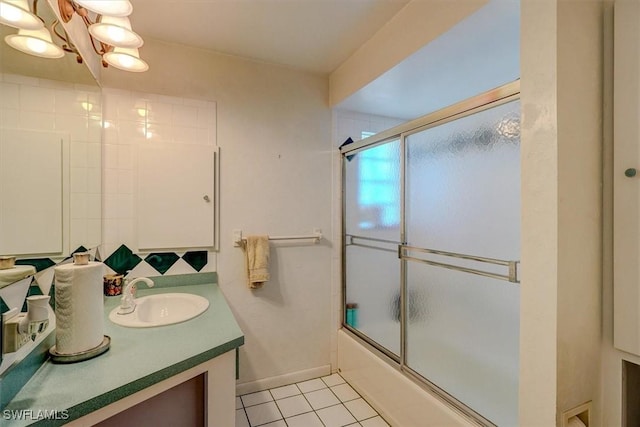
79 307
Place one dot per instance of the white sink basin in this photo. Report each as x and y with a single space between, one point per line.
161 309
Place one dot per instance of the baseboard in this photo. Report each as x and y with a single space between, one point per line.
280 380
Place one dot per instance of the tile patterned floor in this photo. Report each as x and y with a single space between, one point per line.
321 402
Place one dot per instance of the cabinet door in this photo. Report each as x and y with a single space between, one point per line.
175 196
626 179
31 191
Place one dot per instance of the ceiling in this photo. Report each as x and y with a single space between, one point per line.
477 54
313 35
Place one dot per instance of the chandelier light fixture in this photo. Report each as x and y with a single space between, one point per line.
107 23
35 42
17 14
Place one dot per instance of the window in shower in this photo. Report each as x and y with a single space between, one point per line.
438 289
378 188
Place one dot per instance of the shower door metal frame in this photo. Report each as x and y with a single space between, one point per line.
484 101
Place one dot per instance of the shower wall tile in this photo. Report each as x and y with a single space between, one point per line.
37 98
10 95
37 120
8 117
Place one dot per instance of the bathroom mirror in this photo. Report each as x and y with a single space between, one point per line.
50 203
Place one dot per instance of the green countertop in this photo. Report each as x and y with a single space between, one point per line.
137 359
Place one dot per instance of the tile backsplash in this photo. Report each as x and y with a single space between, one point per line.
122 261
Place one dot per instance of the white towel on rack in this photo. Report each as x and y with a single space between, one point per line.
257 252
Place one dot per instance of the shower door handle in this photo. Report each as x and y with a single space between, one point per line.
512 266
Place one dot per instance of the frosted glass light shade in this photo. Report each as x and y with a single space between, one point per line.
16 13
127 59
111 7
35 42
115 31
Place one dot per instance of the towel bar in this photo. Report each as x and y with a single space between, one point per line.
316 236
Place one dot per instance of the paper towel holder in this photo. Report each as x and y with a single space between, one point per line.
82 355
582 412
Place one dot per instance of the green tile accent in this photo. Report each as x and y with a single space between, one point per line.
162 261
122 260
196 259
39 263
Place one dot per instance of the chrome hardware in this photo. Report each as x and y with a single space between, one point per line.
128 304
511 276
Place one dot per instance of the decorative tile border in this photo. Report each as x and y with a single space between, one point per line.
121 261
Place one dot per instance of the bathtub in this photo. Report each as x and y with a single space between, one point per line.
402 402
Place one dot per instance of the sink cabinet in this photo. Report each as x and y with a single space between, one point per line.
201 396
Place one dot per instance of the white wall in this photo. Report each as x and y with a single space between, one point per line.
561 56
274 133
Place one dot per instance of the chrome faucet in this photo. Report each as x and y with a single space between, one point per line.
127 302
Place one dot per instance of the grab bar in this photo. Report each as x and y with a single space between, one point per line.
511 276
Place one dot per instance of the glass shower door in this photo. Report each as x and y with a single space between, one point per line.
462 216
372 234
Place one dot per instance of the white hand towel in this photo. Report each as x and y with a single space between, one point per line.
257 251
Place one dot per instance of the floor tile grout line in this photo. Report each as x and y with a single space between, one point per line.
274 400
277 407
245 414
365 400
314 410
296 395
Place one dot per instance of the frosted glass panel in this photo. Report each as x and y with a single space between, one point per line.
463 185
463 336
372 192
373 283
463 196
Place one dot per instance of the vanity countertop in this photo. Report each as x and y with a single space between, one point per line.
137 359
